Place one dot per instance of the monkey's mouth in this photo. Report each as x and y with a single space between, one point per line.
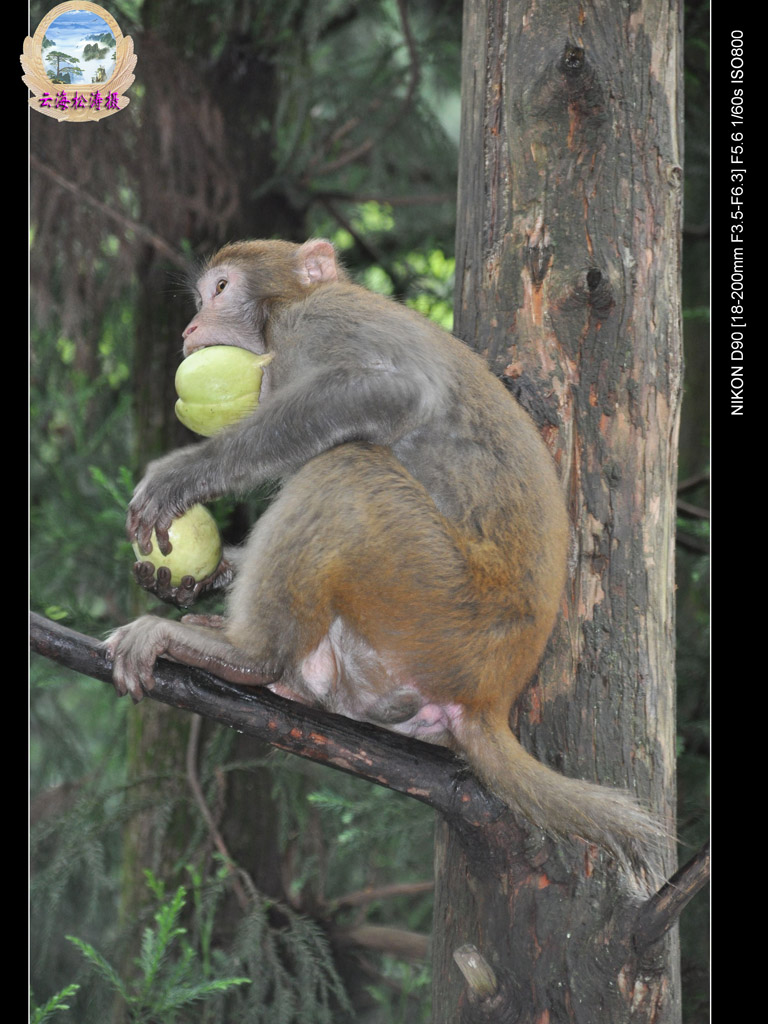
191 346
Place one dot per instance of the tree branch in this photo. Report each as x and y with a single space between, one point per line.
692 482
698 545
349 155
417 199
127 223
423 771
426 772
691 511
663 909
362 897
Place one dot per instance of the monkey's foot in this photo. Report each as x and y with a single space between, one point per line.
135 648
188 590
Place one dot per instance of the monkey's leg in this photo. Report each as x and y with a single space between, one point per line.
134 649
211 621
354 589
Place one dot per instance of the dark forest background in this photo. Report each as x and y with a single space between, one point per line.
256 118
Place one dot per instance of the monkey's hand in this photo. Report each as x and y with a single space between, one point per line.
168 489
188 591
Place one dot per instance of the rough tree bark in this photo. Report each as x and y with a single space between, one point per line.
568 281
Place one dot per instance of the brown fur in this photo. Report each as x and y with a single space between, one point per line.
410 570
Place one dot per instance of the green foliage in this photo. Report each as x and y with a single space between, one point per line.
286 956
405 995
347 836
294 979
373 218
344 83
423 278
78 491
363 827
41 1014
168 966
79 805
434 276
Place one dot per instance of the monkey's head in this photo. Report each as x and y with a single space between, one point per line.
241 285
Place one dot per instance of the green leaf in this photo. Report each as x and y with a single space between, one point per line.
40 1014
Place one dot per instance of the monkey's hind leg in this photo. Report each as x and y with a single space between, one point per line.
134 648
352 588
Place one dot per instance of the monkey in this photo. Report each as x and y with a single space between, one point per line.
409 570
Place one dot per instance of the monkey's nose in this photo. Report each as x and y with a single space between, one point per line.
188 345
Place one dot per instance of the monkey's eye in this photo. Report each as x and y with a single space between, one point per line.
221 285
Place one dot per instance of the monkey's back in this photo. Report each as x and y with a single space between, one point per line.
487 474
458 431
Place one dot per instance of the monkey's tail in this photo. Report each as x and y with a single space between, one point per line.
564 806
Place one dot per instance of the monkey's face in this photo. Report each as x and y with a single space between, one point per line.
227 312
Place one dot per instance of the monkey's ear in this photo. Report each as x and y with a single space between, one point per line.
317 262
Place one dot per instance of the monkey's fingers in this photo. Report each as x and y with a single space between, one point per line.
148 512
144 574
158 582
139 529
190 589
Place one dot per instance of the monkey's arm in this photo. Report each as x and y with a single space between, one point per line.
298 421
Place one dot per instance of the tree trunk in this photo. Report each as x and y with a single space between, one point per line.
568 281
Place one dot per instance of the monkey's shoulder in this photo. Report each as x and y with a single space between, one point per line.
344 306
341 317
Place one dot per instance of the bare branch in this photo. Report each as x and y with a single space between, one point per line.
698 545
413 199
362 897
685 508
428 773
238 875
397 942
692 482
663 909
163 247
367 144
